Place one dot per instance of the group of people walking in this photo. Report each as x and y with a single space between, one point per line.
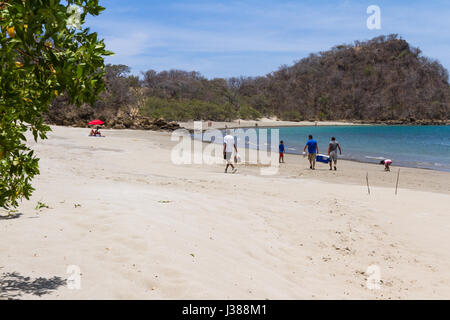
313 151
311 147
229 146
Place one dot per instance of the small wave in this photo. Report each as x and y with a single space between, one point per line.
376 158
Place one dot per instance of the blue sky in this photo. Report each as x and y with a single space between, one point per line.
254 37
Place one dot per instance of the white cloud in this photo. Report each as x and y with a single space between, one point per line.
206 36
128 46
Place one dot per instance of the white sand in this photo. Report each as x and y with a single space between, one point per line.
296 235
264 122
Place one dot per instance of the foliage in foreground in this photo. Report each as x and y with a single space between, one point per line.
44 52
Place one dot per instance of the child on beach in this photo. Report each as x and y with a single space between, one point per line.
387 163
282 150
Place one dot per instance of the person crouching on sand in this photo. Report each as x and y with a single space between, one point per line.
313 149
228 146
282 150
95 133
332 152
387 163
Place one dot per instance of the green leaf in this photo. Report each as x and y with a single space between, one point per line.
31 72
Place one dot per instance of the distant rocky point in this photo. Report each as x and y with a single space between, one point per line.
124 122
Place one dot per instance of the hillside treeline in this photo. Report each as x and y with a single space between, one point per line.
377 80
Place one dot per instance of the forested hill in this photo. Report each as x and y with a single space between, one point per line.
384 78
380 80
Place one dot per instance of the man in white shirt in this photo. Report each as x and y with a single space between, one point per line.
228 146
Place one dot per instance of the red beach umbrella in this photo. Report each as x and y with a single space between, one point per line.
95 122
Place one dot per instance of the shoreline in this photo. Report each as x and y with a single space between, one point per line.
262 123
269 123
139 226
401 165
362 160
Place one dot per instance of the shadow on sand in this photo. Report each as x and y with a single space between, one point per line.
10 216
13 285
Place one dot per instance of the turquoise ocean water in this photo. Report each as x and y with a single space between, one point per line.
411 146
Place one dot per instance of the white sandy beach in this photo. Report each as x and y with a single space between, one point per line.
140 227
263 122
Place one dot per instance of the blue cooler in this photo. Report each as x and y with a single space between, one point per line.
322 158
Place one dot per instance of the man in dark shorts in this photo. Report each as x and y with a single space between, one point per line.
332 152
313 149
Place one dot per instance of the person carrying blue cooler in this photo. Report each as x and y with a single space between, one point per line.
332 152
313 149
